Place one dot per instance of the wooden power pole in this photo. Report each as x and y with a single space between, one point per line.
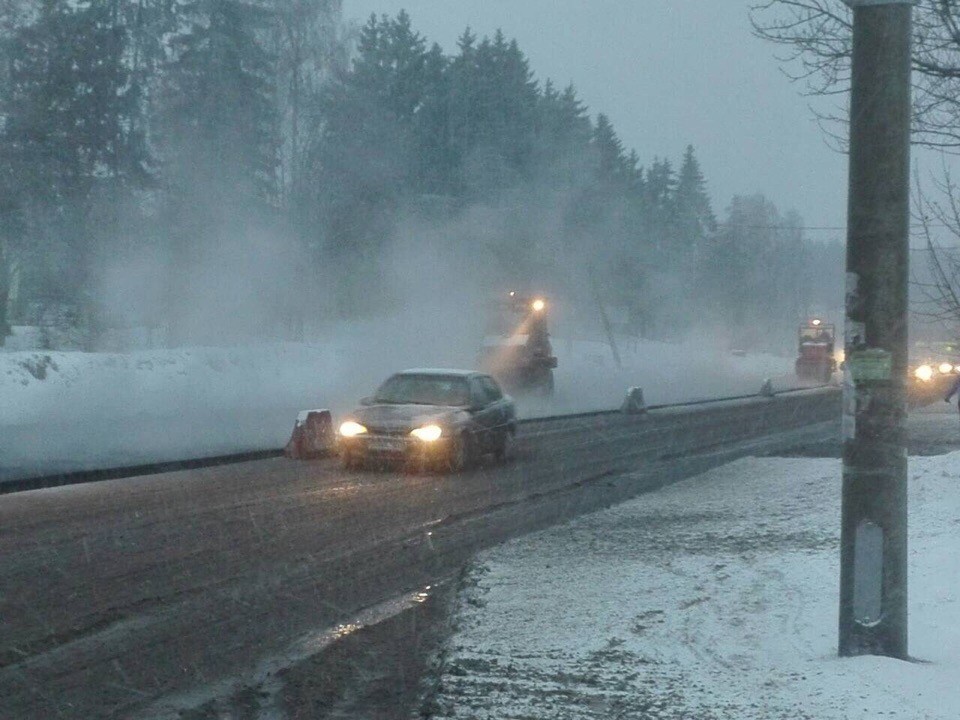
873 536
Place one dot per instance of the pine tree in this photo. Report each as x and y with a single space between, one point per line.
69 133
564 134
694 216
365 156
611 168
520 95
661 188
220 142
68 109
463 91
220 116
493 101
368 141
435 156
389 67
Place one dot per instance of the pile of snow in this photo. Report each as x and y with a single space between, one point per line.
714 598
51 386
22 337
65 411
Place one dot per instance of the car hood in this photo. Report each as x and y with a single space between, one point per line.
405 417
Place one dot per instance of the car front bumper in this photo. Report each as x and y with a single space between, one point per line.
393 447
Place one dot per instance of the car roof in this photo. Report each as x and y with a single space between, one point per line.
449 372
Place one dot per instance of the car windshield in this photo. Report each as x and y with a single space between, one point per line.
424 390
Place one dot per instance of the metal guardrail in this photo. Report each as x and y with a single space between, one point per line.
77 477
665 406
137 470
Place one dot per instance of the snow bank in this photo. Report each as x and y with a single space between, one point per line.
587 377
40 386
64 411
45 386
714 598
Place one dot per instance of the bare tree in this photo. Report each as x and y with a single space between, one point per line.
309 44
939 288
817 39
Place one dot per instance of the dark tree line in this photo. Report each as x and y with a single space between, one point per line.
406 122
188 129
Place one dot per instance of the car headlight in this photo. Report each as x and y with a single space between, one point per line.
428 433
352 429
945 368
924 373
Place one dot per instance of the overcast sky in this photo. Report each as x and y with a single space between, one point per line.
668 73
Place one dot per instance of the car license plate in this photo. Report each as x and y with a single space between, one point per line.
379 444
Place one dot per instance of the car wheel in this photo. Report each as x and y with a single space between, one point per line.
461 454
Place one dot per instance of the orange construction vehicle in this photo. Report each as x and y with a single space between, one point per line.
815 353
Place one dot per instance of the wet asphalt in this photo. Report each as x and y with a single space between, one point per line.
162 596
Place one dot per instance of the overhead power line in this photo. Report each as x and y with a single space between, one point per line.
832 228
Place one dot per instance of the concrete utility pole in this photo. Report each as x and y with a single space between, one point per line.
873 536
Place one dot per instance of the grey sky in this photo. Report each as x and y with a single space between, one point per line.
668 73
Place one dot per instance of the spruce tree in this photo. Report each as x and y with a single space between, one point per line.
564 134
463 91
69 134
611 167
435 156
220 114
694 216
519 96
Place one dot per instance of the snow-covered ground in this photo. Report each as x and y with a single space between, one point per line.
714 598
71 410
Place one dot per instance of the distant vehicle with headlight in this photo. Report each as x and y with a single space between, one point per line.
440 419
932 367
816 356
517 349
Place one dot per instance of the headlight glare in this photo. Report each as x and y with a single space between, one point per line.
924 373
945 368
428 433
352 429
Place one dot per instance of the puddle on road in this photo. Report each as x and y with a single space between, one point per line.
370 666
314 643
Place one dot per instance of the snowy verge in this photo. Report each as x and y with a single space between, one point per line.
56 386
713 598
39 386
62 411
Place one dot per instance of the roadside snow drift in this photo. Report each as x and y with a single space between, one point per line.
714 598
63 411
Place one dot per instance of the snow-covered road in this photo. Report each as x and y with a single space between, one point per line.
713 598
